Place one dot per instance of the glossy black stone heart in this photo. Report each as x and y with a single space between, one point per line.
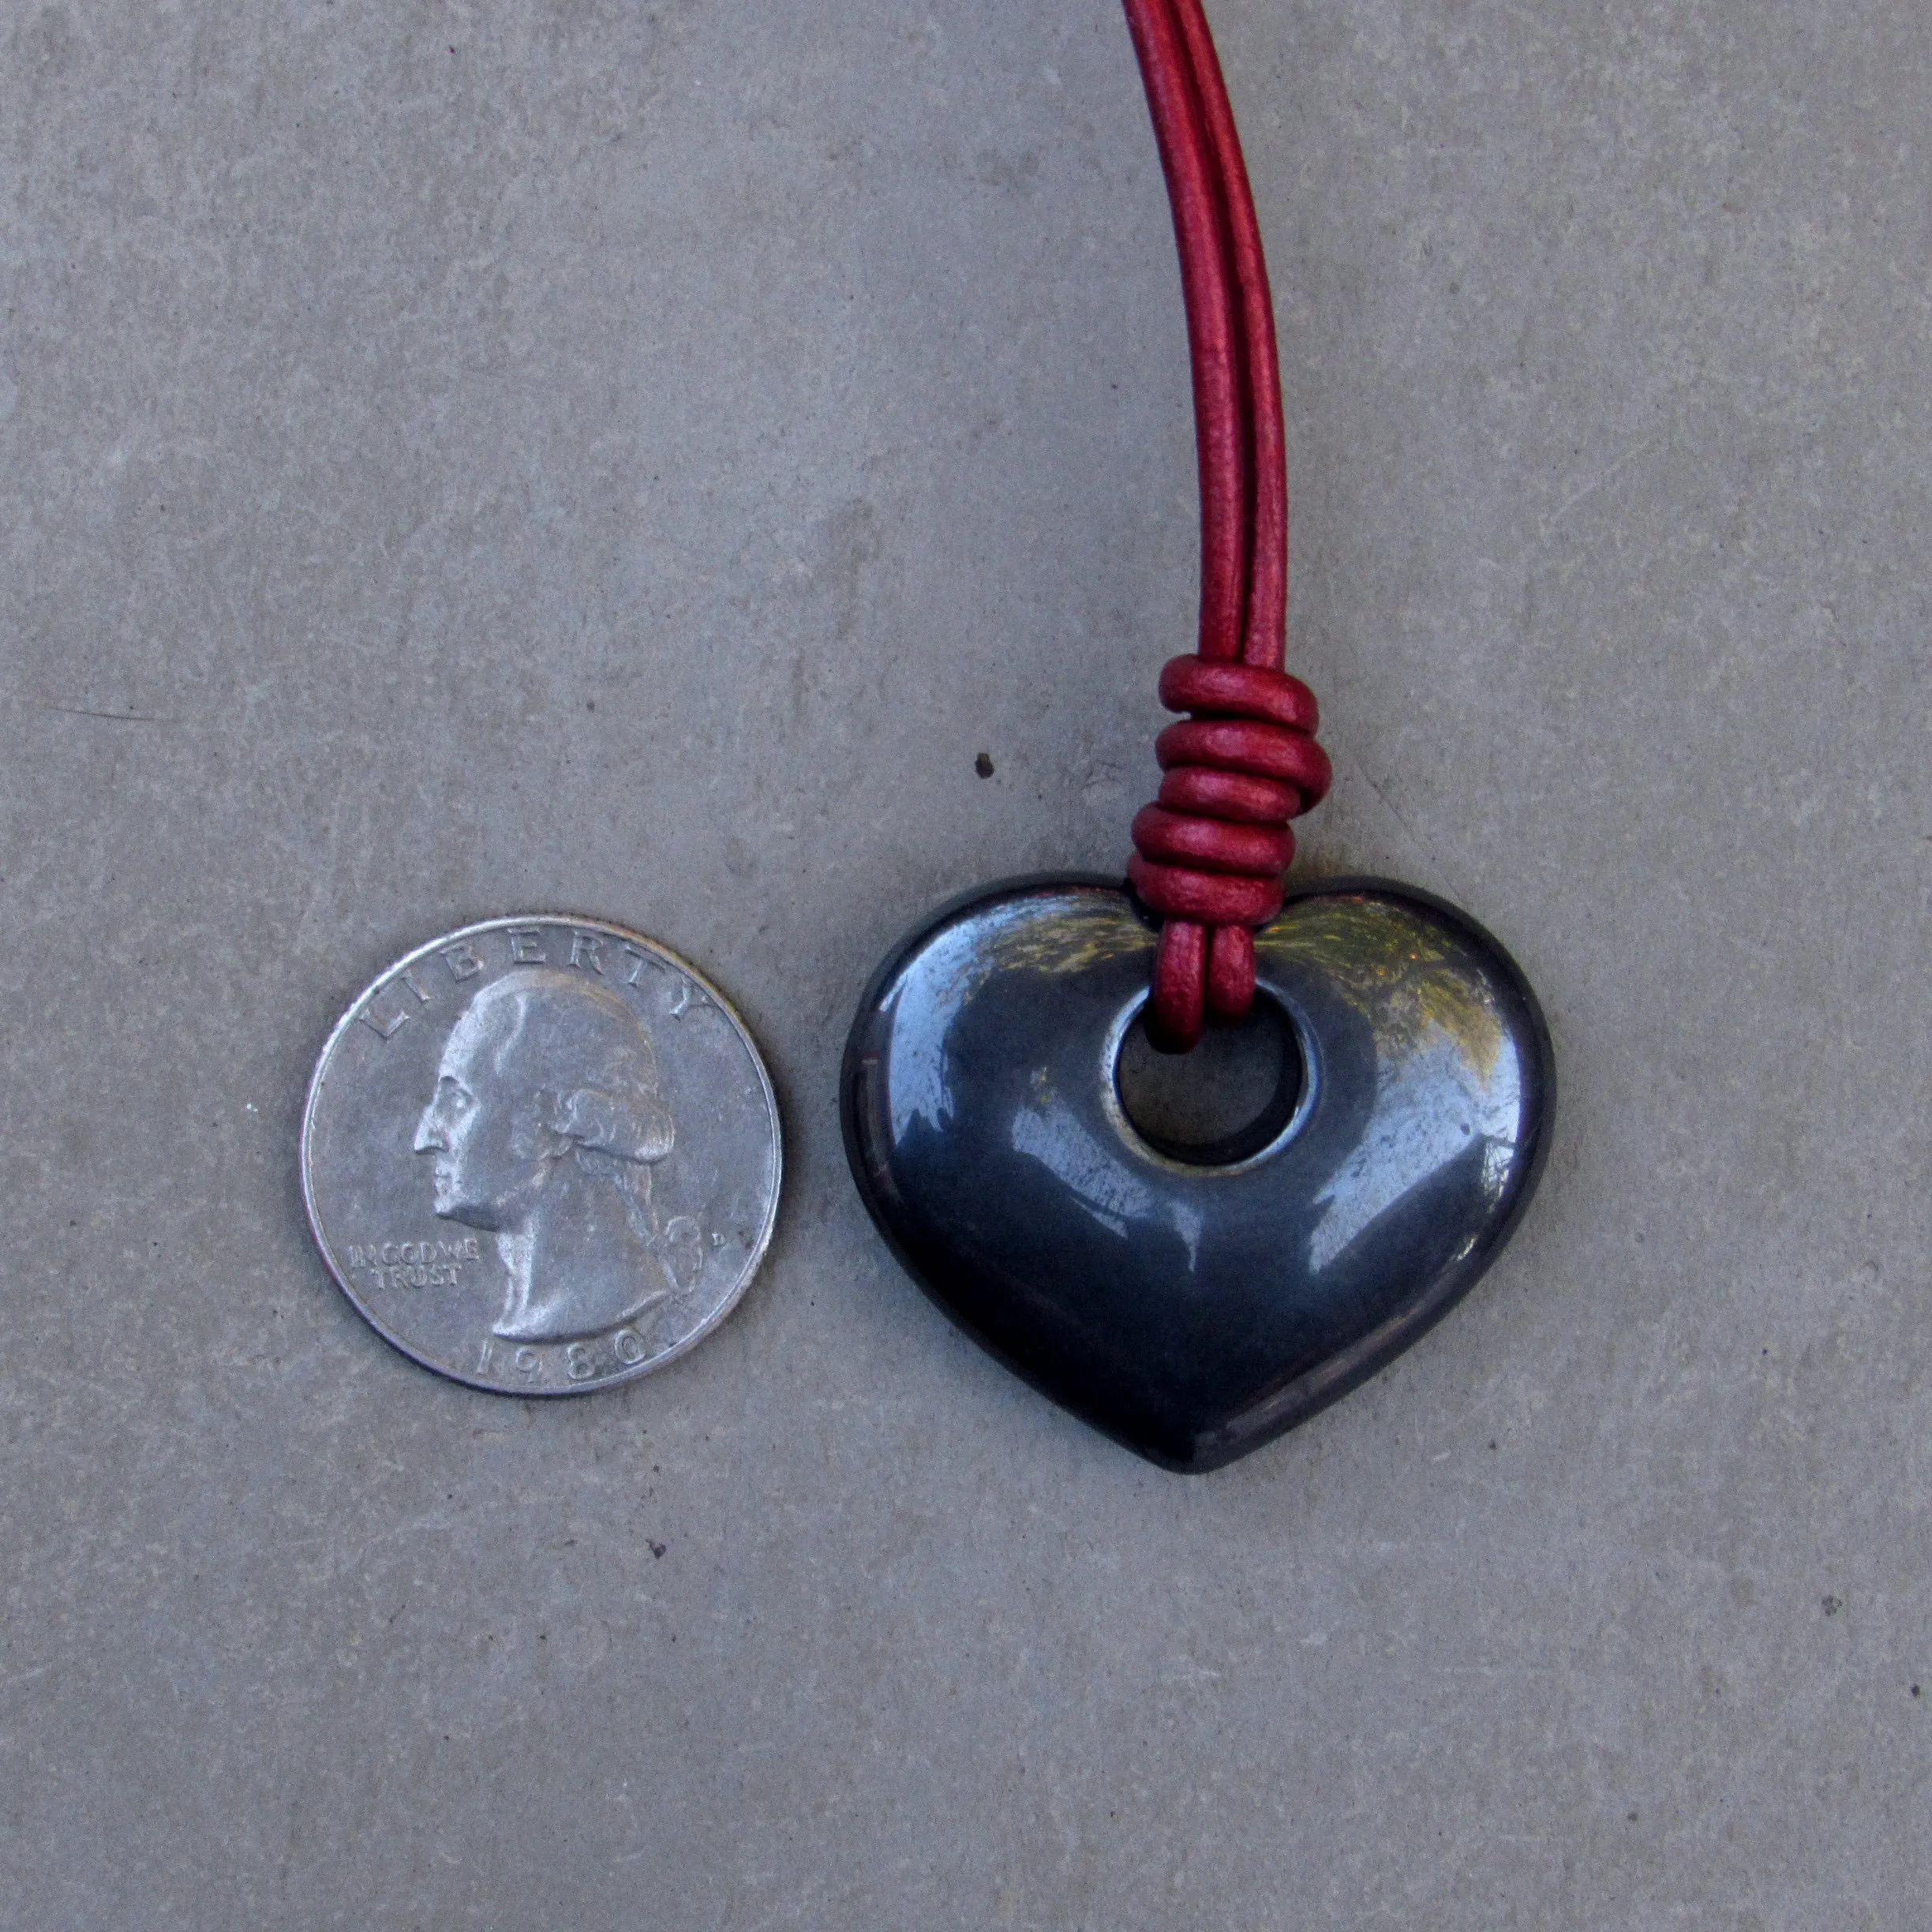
1194 1311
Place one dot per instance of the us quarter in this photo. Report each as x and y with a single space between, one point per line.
541 1155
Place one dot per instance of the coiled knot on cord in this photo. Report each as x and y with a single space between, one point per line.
1210 851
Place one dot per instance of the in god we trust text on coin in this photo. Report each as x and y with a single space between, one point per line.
541 1155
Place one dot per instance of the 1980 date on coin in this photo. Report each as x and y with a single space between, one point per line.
541 1155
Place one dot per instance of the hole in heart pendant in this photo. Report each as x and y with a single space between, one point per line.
1223 1102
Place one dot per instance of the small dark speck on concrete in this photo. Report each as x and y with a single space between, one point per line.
1631 1818
983 764
1492 1445
1832 1605
590 704
1914 1690
657 1549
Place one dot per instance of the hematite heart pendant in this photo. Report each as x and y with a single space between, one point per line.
1196 1302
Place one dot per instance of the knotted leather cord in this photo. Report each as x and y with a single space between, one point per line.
1211 850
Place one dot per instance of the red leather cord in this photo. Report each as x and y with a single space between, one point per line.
1210 851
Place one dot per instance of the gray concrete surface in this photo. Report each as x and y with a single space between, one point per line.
385 387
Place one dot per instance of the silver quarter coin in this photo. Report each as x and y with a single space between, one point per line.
541 1155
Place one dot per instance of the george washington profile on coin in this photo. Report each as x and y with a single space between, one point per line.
547 1119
